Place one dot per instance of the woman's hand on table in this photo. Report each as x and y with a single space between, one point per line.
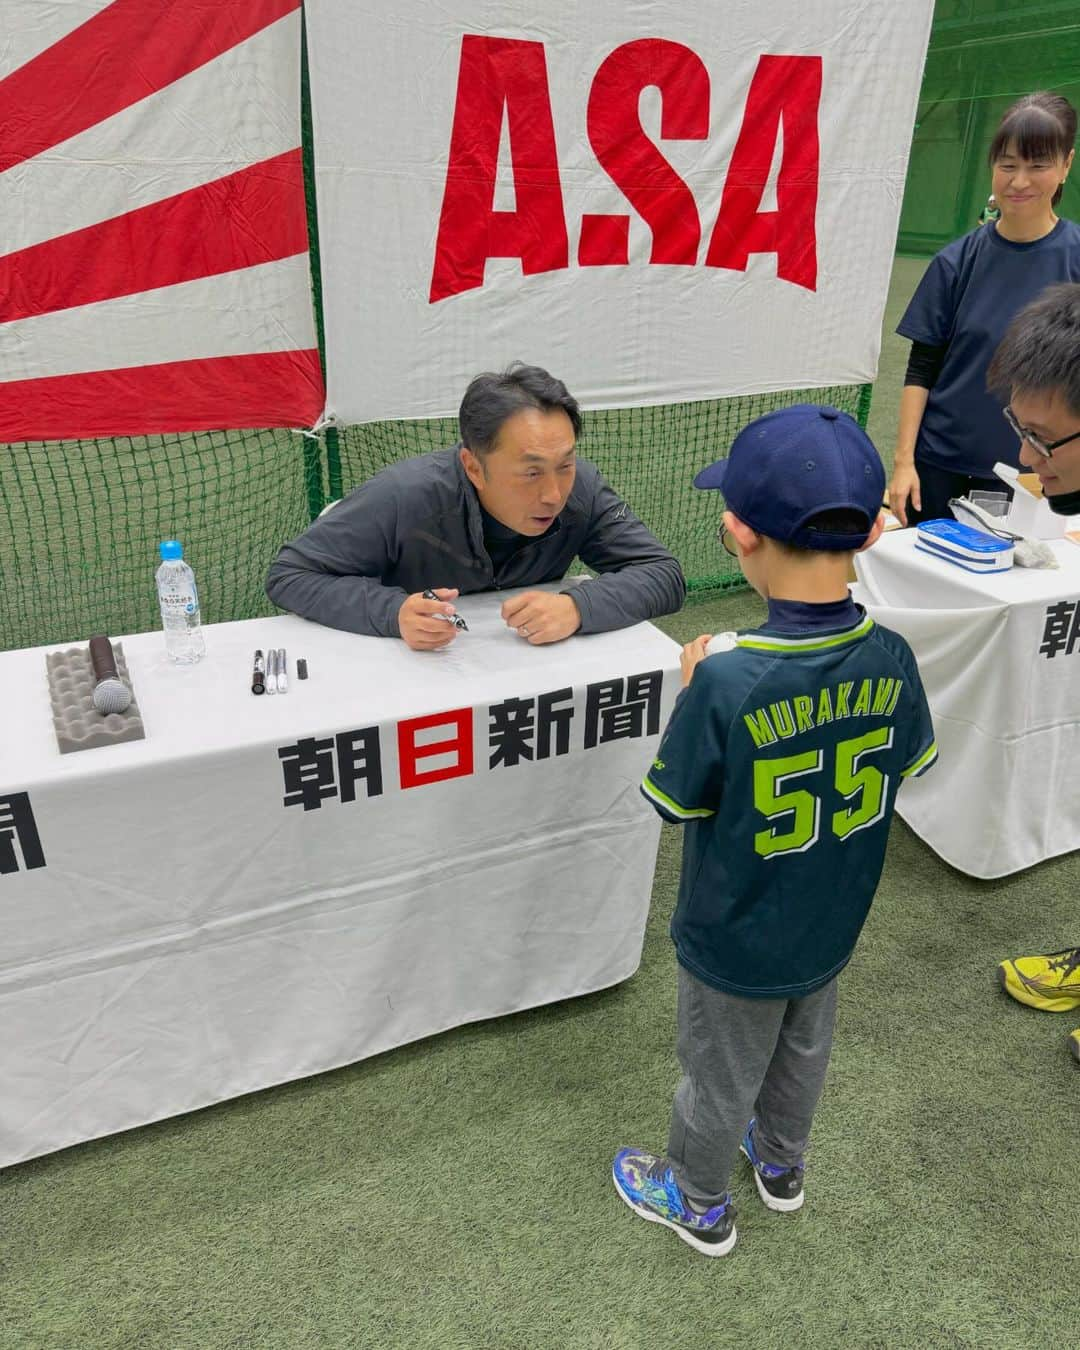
904 484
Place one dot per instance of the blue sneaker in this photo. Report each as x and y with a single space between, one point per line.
647 1184
780 1187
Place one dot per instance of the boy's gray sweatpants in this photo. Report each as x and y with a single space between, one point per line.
743 1057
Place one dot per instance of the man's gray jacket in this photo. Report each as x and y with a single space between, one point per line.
418 524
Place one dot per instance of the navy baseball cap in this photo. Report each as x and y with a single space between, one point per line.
791 465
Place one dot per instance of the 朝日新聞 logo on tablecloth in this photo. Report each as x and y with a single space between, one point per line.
441 746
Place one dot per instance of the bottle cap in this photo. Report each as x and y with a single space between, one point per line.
171 549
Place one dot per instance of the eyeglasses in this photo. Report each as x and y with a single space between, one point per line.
1036 442
727 542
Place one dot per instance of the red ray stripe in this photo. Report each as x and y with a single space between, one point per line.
254 216
271 389
128 51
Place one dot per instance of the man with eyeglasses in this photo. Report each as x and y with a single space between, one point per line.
1042 448
1037 366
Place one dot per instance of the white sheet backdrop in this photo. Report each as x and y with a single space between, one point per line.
384 84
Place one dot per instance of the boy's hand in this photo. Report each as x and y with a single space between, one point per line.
692 653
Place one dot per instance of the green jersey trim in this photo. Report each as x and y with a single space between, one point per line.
923 762
670 804
771 642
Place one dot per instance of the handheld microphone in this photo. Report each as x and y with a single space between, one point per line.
111 694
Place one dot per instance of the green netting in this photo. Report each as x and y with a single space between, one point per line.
80 524
983 55
649 455
80 521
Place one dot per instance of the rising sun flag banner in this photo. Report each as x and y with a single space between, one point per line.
660 202
154 270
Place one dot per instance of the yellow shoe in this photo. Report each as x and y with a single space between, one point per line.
1074 1044
1050 982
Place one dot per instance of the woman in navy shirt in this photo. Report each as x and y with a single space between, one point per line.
952 430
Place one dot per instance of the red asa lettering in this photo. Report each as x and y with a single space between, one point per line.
784 89
498 73
632 161
460 745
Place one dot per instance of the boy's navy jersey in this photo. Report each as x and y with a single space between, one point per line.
784 756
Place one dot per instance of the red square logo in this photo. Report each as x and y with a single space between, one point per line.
459 744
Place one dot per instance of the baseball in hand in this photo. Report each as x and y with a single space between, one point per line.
721 642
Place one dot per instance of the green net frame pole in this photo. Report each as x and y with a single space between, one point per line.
313 475
862 413
313 462
334 489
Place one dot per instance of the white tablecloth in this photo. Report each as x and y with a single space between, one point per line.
1000 659
255 892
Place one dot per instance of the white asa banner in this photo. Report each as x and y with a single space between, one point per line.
657 203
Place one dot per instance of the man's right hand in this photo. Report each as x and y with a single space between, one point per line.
904 484
420 627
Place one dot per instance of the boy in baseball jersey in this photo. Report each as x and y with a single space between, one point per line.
782 757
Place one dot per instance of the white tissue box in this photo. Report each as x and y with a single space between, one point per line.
1030 513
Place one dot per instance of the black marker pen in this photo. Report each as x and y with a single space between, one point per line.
258 674
455 619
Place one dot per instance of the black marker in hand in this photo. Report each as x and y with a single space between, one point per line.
455 619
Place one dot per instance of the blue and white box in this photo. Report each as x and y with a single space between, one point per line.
964 546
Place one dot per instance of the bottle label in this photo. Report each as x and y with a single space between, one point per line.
181 604
182 600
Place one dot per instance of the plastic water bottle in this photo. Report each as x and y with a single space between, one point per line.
178 597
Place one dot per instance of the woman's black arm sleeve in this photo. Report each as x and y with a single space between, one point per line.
924 364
